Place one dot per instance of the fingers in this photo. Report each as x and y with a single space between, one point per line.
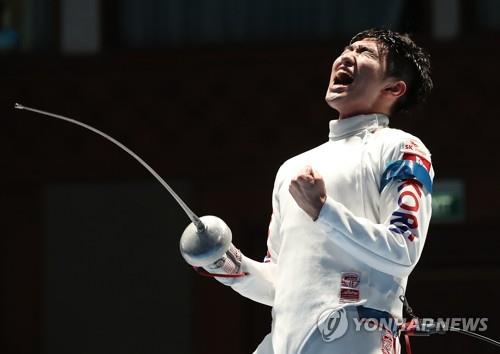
316 175
306 175
308 191
305 178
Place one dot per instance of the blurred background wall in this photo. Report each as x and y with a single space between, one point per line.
215 95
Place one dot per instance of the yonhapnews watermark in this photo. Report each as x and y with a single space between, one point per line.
472 324
334 323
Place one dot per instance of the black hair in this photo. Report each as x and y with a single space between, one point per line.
405 61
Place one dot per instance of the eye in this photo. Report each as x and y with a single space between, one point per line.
367 52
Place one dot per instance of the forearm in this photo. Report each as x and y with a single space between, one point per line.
258 284
254 280
359 236
384 245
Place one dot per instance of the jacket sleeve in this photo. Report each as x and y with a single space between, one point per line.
259 284
395 243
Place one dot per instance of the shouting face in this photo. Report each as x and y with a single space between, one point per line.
358 82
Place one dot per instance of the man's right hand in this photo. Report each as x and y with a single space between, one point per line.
229 266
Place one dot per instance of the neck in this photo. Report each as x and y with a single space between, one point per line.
357 113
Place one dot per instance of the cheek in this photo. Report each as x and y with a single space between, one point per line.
331 76
369 71
332 73
370 78
376 72
367 87
334 65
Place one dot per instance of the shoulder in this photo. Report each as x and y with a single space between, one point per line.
395 143
301 159
405 156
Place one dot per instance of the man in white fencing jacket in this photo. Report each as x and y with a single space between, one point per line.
350 217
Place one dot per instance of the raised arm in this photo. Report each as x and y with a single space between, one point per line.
393 244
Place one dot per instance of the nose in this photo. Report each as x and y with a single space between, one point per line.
346 59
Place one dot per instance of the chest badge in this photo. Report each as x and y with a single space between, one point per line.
349 287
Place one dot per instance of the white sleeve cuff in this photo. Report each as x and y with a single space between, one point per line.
258 285
325 217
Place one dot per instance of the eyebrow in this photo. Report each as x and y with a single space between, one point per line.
351 47
348 47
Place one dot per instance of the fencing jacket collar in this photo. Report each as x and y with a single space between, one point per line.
342 128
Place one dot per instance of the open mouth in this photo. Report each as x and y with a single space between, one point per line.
343 78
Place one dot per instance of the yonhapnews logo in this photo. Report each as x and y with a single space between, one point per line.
332 324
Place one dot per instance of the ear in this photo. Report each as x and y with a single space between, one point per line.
395 89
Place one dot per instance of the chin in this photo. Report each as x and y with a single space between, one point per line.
333 101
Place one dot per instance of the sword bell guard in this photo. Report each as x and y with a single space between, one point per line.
203 247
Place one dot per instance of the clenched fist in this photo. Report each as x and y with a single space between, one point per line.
308 190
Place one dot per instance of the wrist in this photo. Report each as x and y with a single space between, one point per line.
319 206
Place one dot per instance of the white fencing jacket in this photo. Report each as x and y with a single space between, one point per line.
366 241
